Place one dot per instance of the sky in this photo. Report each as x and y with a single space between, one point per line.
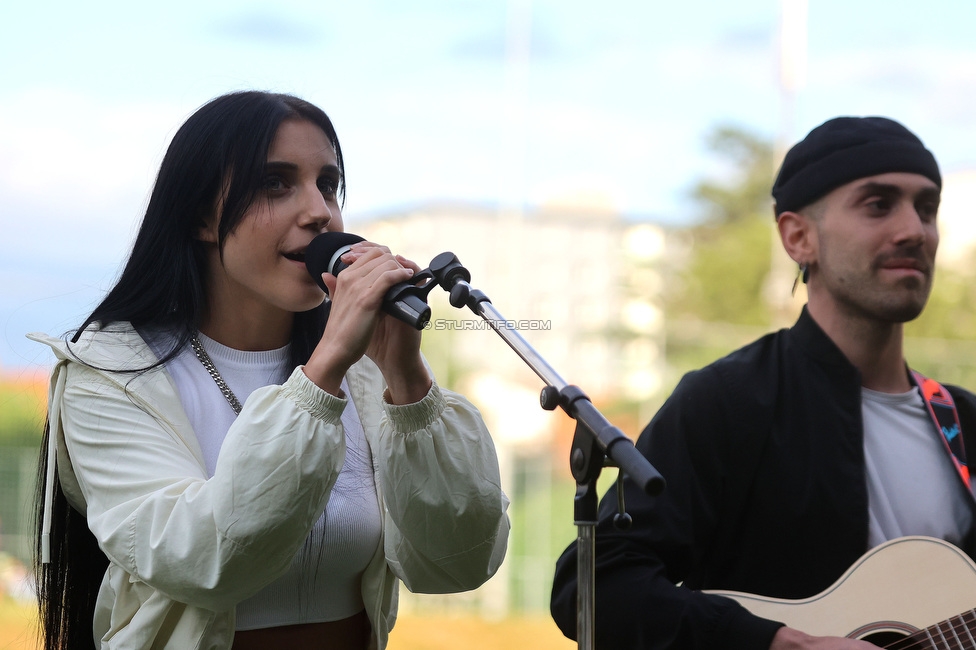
526 102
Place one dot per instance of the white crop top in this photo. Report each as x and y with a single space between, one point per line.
323 582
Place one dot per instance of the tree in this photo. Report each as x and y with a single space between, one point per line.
716 301
730 260
746 194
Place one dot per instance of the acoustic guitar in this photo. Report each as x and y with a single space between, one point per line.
911 593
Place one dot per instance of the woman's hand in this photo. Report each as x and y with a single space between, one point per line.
357 325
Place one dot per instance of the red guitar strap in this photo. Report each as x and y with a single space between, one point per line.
942 409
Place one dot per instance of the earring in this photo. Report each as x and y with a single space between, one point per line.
804 273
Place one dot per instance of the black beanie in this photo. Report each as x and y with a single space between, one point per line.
845 149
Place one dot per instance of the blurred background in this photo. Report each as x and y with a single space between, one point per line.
602 169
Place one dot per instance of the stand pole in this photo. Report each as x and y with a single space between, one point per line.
586 577
594 442
586 462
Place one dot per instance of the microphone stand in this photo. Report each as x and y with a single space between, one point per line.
596 442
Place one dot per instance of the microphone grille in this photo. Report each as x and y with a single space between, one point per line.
321 249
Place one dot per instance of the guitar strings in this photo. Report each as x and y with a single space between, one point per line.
915 641
926 639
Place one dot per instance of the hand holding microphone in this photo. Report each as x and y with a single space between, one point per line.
403 301
356 326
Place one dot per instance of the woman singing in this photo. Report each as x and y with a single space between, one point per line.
230 459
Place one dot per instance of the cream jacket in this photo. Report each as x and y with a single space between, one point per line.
184 549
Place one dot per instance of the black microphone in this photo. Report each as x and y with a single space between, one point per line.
402 301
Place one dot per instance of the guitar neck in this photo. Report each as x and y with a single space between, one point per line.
956 633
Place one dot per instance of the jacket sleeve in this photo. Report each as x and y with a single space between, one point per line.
639 603
206 542
447 527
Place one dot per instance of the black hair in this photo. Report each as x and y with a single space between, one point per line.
215 161
216 157
67 587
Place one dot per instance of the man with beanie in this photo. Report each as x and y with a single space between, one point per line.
791 457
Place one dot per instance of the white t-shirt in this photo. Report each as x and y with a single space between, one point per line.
913 486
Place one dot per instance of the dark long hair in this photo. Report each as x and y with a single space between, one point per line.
219 153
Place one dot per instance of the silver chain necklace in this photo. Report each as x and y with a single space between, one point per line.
208 364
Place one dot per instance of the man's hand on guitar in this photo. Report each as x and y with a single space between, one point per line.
789 639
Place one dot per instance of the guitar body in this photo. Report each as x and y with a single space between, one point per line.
896 589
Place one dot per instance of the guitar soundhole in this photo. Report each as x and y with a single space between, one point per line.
883 639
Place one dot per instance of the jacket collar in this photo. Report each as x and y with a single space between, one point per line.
117 353
808 336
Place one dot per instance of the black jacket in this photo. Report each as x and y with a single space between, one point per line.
764 461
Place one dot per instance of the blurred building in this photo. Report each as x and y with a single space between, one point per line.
581 286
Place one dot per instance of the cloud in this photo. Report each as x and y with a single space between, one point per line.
932 89
491 45
269 28
72 154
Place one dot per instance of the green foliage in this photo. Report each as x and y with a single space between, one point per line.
941 342
731 251
949 313
725 278
747 193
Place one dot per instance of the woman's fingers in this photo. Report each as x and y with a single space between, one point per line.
357 325
371 272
